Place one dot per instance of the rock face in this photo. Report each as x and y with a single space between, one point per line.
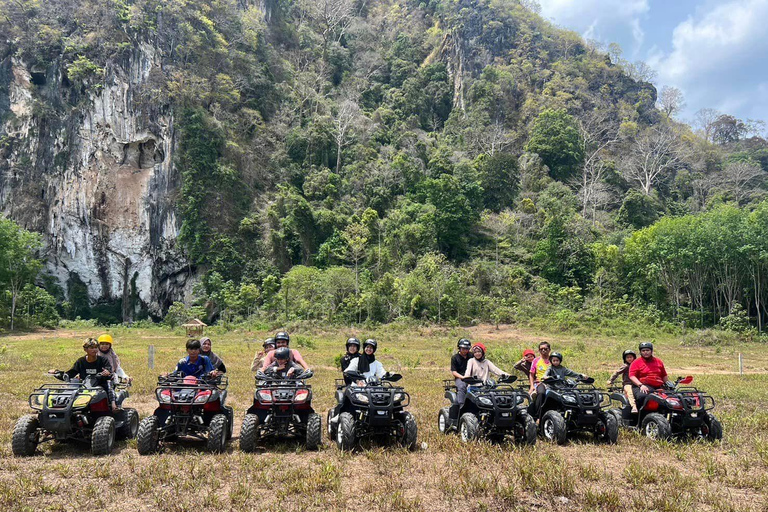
97 180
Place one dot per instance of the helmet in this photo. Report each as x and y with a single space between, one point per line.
372 343
353 341
646 344
464 343
269 341
282 335
90 343
105 338
480 346
283 353
627 353
557 355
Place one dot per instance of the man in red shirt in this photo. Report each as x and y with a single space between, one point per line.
647 373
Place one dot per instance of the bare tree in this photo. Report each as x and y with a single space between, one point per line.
346 118
671 100
704 120
640 71
494 138
742 180
654 153
335 16
598 133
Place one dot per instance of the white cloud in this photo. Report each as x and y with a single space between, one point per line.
599 19
719 57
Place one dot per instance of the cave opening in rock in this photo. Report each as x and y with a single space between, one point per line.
38 77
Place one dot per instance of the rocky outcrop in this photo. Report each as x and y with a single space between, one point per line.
96 179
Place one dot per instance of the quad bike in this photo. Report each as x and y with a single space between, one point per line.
189 407
675 411
490 410
576 406
282 407
375 410
77 410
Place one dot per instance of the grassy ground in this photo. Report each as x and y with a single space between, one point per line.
634 475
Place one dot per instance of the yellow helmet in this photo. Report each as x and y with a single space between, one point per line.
105 338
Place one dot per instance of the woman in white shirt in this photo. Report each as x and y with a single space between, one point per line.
480 367
367 363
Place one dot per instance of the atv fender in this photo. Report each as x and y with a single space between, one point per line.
451 395
339 396
620 397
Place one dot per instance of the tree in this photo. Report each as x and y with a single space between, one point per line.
598 133
671 100
704 120
356 237
555 138
655 153
742 180
347 117
18 263
728 129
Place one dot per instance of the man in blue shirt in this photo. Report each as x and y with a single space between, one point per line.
194 364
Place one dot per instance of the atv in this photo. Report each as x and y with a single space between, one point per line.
282 407
576 406
189 407
76 410
675 411
373 410
490 410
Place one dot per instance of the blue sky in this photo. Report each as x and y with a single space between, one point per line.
716 52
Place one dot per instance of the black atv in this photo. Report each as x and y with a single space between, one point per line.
374 410
282 407
575 405
75 410
491 410
189 407
676 411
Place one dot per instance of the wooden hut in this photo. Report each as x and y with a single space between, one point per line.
195 328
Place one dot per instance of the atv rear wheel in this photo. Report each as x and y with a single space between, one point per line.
25 436
148 436
411 434
656 426
130 425
103 436
553 427
249 433
607 429
469 427
443 420
314 432
345 433
218 431
712 430
331 428
525 429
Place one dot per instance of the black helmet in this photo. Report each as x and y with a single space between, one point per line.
627 353
282 335
283 353
371 342
353 341
464 343
269 341
557 355
646 344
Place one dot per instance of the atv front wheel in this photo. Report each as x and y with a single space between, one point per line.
103 436
217 433
712 430
411 434
331 429
148 436
525 429
249 433
25 436
314 432
656 426
617 414
345 432
607 429
469 427
130 425
443 420
553 427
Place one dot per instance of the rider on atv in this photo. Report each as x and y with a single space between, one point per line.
647 374
283 367
558 371
366 364
353 352
195 365
458 368
481 368
283 340
92 364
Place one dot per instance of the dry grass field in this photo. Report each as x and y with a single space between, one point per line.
634 475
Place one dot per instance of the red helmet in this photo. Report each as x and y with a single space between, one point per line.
480 346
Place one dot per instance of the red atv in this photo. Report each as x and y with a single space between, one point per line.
189 407
676 411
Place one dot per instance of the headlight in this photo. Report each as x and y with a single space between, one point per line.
265 395
485 401
301 396
398 397
520 400
82 401
36 402
164 396
202 397
569 398
361 397
674 403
